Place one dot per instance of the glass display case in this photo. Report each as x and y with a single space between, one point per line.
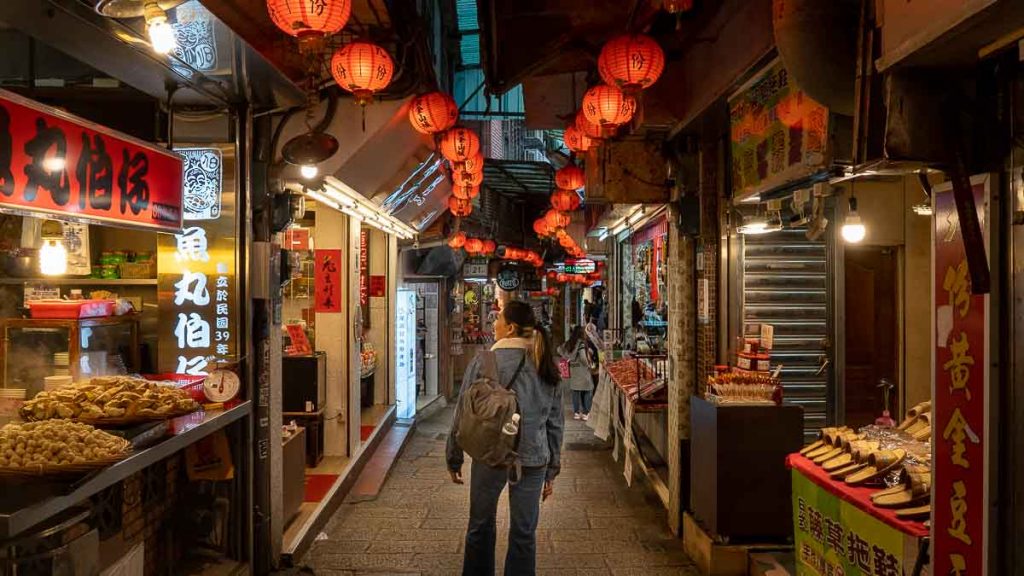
34 349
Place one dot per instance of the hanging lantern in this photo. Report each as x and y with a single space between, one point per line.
575 140
556 219
474 165
608 107
467 178
540 226
570 177
565 200
310 22
489 247
457 240
465 192
589 129
362 68
460 207
460 144
561 277
474 245
631 62
433 112
676 6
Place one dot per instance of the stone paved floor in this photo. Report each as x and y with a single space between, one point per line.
592 525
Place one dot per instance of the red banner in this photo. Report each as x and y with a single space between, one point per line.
56 163
960 395
328 280
378 286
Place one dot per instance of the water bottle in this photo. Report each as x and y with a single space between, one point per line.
512 426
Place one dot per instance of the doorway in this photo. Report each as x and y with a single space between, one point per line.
872 330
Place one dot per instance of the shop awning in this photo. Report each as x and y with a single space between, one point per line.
519 178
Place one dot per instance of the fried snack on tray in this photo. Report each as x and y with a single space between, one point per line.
110 398
56 443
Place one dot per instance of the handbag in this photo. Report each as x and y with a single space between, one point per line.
564 369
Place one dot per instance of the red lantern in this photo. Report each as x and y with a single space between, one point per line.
460 207
575 140
608 107
489 247
473 165
309 21
433 112
474 245
565 200
556 219
570 177
551 274
565 241
631 62
588 128
460 144
362 68
458 240
540 226
467 178
466 192
676 6
561 277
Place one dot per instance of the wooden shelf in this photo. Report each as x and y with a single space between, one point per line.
80 281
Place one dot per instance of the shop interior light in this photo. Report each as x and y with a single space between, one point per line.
55 164
635 216
853 229
603 236
161 33
356 205
309 171
922 208
53 257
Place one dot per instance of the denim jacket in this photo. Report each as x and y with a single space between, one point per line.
540 404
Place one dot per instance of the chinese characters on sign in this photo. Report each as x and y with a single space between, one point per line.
327 281
364 276
197 273
959 399
778 133
53 162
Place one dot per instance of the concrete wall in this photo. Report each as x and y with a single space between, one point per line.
332 337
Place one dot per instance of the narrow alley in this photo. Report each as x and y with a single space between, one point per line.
593 524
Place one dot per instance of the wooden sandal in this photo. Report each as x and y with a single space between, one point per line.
914 513
916 487
845 471
923 422
913 413
836 449
847 457
828 438
879 463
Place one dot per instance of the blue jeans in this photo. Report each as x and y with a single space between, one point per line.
581 401
485 487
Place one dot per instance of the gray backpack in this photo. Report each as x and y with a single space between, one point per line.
483 410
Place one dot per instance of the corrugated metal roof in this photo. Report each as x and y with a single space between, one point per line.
469 76
519 177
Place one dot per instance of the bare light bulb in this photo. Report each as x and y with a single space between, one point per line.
53 257
853 229
161 33
309 171
54 164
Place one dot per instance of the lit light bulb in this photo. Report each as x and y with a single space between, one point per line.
309 171
161 33
54 164
53 257
853 229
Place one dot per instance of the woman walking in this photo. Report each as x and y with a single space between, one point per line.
524 361
576 351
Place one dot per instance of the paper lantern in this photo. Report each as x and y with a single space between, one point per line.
465 192
588 128
309 21
565 200
433 113
474 165
460 144
631 62
467 178
460 207
540 226
575 140
362 68
457 240
561 277
489 247
570 177
556 219
474 245
608 107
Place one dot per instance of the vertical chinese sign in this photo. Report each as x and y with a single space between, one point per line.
364 276
960 395
197 269
777 132
327 281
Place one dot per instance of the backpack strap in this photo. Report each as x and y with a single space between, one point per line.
516 373
488 365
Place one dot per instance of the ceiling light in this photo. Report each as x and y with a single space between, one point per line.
853 229
756 224
309 171
161 33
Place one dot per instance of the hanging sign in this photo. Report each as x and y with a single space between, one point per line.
56 163
960 395
778 133
364 276
578 266
300 342
327 281
197 291
508 279
296 239
378 286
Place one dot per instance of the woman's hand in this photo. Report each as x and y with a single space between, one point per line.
456 476
549 488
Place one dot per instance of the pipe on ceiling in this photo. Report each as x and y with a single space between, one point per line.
817 41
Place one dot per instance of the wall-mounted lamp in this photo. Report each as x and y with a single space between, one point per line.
53 257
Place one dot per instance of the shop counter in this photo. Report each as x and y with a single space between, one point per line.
33 502
839 531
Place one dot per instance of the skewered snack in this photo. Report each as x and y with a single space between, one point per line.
56 443
108 399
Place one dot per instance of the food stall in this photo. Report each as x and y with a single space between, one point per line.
119 389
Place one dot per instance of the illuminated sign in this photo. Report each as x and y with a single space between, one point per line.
580 266
196 42
197 274
508 279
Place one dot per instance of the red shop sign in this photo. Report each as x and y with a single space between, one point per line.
960 399
378 286
56 163
327 280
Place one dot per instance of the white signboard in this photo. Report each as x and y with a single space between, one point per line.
405 354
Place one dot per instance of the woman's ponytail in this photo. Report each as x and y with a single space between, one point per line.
544 353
